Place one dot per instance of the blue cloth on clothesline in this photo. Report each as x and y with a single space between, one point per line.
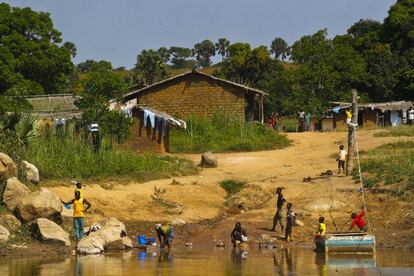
336 109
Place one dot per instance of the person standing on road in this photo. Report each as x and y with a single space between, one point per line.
279 210
78 213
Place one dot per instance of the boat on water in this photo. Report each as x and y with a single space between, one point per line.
349 242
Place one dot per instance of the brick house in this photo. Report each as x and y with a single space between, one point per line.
198 94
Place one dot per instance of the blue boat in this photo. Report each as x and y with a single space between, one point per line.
349 243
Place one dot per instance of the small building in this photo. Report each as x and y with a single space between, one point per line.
197 94
371 115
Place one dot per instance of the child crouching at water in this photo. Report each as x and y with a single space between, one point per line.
290 221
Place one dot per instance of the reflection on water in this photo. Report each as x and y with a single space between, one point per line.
216 262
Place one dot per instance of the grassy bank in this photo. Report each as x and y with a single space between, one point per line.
389 164
68 158
224 134
402 130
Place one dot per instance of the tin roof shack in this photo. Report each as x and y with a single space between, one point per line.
150 129
54 106
371 115
198 94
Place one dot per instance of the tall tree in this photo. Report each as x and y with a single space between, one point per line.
31 51
279 48
164 53
71 47
222 47
151 66
203 52
180 57
92 65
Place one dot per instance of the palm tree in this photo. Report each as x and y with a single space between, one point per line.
221 47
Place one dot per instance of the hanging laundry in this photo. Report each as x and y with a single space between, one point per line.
127 112
336 109
151 115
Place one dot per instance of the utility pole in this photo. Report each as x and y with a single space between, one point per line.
351 133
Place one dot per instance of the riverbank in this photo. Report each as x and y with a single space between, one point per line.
210 214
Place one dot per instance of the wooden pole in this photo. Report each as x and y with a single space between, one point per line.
351 133
261 110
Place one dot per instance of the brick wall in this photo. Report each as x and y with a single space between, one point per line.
145 139
195 95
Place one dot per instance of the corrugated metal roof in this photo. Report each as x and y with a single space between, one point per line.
385 106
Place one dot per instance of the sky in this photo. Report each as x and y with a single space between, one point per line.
117 30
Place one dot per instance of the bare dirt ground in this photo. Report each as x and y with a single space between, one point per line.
201 202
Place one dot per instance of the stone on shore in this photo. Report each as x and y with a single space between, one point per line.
90 245
323 205
4 234
40 205
127 242
10 222
30 172
14 192
49 232
208 160
7 166
178 222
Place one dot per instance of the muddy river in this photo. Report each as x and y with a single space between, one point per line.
215 262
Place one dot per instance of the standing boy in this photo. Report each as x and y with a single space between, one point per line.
78 213
320 235
341 159
290 221
279 210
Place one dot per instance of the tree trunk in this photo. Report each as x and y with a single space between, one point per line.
351 133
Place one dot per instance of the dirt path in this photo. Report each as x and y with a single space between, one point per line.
200 198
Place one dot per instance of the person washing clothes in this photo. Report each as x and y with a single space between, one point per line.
341 159
290 221
78 213
358 220
238 235
165 234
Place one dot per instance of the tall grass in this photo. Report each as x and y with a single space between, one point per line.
62 158
224 133
389 164
232 186
401 130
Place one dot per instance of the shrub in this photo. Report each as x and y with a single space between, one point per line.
232 186
402 130
224 133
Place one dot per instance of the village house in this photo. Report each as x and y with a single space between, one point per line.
370 115
170 102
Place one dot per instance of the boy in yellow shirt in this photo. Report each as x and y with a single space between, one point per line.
78 213
320 235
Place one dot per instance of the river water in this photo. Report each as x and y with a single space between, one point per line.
215 262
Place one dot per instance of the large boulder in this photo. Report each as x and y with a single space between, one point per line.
109 234
14 192
127 242
30 172
40 205
208 160
113 222
10 222
90 245
4 234
7 166
49 232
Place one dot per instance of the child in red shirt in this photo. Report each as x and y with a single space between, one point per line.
359 221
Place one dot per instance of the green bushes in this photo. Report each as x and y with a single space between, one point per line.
224 133
70 158
402 130
232 186
389 164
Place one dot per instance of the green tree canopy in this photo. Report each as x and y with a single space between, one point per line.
92 65
151 66
180 57
30 52
203 52
222 47
279 48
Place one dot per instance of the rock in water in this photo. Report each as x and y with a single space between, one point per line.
208 160
113 222
14 192
30 172
10 222
127 242
7 166
40 205
90 245
49 232
4 234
